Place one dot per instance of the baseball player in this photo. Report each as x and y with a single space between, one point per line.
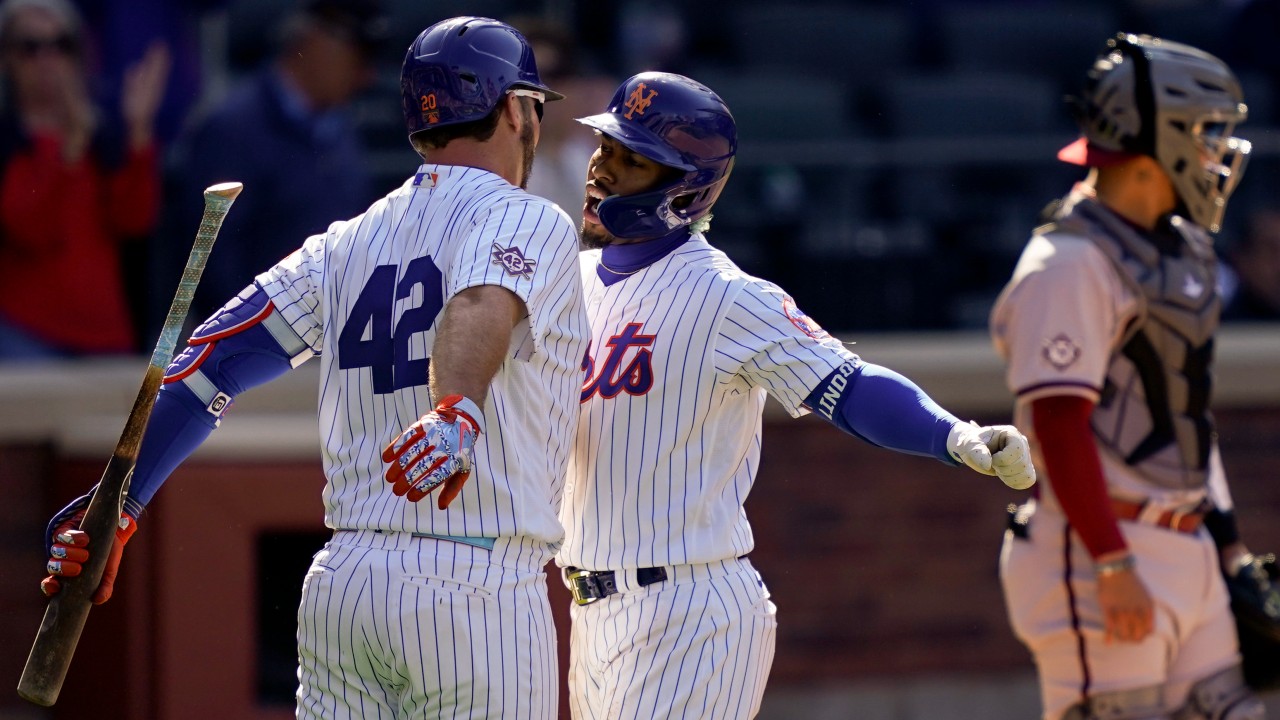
450 310
669 617
1107 325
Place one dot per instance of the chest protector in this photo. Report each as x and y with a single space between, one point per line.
1154 410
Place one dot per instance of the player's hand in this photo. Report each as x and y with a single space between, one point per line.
67 545
435 451
1127 609
998 450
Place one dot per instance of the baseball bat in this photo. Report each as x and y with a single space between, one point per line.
65 615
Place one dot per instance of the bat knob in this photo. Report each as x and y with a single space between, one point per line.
228 190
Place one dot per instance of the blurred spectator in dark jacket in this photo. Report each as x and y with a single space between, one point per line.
76 182
1251 277
286 132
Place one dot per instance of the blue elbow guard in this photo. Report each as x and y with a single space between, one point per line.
243 345
248 332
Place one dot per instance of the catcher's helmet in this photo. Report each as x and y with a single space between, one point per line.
1177 104
457 70
676 122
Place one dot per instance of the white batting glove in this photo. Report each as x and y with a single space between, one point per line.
998 450
436 450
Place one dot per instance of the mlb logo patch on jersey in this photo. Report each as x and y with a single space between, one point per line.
426 180
806 324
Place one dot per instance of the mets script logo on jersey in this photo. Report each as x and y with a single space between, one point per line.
805 323
513 261
617 374
638 101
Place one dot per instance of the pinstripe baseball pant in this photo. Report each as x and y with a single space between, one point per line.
397 626
698 645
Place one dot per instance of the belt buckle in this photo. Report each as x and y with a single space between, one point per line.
583 586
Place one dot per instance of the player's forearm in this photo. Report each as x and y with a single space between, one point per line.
473 340
1071 460
234 351
884 408
178 425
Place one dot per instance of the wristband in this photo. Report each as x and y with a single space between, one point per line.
1111 567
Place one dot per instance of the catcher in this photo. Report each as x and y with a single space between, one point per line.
1107 325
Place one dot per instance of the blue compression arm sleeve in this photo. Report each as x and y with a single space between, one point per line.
884 408
181 421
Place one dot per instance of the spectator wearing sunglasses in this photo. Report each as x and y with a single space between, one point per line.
77 183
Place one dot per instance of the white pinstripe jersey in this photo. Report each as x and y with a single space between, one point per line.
682 354
365 296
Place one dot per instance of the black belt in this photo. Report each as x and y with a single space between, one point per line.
588 586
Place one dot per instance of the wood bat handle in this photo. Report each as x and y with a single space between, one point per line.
65 615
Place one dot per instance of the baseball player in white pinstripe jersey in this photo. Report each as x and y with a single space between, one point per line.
669 618
451 310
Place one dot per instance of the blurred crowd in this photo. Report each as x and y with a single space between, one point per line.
117 113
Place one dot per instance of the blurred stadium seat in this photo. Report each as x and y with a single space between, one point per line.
843 41
1054 40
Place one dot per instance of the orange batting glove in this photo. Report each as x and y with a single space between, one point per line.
67 555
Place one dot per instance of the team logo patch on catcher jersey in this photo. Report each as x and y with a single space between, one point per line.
638 101
513 261
806 324
1061 351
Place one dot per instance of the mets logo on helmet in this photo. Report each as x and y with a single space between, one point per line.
638 102
513 261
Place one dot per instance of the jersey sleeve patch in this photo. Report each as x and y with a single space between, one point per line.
513 261
1060 351
803 322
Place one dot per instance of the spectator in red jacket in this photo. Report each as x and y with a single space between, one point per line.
75 184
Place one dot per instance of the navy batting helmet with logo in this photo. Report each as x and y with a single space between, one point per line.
676 122
457 70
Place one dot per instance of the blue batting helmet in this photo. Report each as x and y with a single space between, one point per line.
676 122
457 70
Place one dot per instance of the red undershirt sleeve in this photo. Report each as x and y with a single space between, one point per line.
1072 463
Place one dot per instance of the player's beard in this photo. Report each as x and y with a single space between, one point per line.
594 237
528 148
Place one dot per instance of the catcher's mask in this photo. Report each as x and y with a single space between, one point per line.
457 70
1170 101
676 122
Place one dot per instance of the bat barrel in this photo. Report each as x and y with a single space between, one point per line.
46 667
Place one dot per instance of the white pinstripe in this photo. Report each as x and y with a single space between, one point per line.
658 478
442 233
